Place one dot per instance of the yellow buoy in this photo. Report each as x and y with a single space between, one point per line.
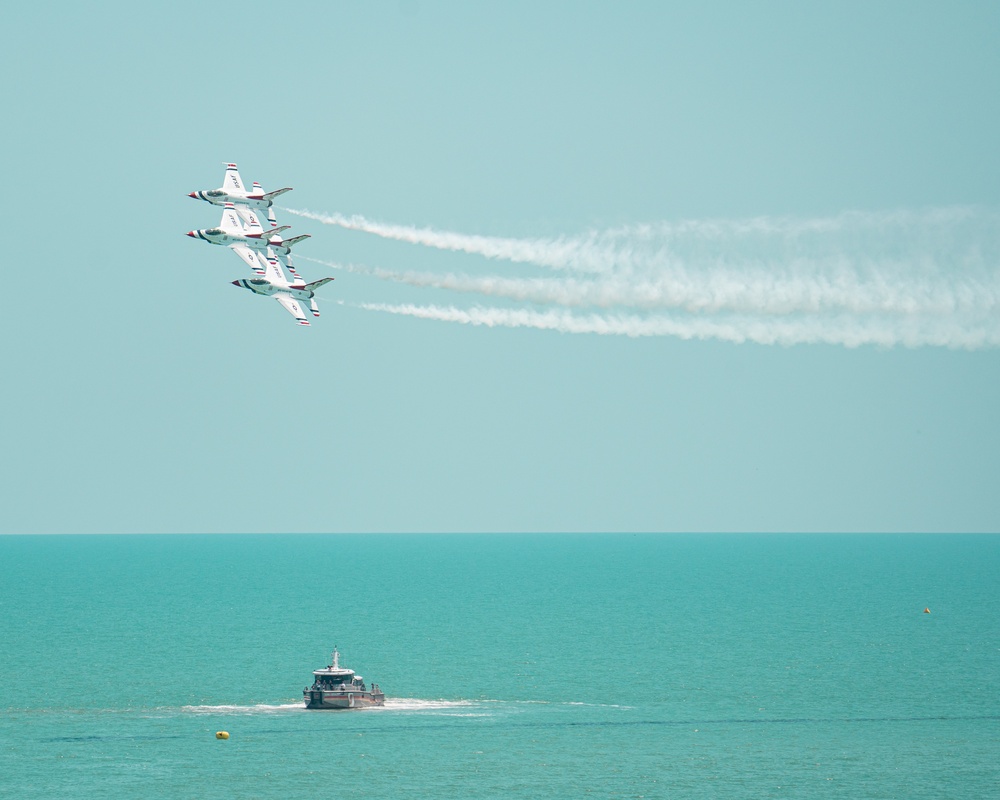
927 611
222 734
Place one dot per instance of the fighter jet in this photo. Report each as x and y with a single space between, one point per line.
289 293
245 241
233 191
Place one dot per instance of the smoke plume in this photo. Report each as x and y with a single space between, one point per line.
909 278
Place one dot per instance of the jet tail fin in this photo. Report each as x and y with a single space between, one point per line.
316 284
295 240
278 229
276 192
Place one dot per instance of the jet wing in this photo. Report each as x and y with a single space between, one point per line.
253 259
274 272
230 219
249 217
292 306
286 262
233 182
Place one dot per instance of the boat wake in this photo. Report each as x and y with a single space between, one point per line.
260 708
393 704
457 708
415 704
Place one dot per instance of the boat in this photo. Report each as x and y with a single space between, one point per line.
335 686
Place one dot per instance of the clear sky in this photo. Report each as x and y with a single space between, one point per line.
143 392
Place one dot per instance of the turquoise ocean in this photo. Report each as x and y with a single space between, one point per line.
549 666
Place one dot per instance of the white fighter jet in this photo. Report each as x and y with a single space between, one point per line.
233 191
247 240
291 294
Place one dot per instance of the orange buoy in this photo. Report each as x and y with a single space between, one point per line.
222 734
927 611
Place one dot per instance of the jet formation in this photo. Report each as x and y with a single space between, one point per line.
263 250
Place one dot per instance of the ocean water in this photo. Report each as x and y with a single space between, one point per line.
555 666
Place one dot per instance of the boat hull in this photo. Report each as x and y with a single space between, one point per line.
324 699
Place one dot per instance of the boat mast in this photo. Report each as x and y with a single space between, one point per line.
336 658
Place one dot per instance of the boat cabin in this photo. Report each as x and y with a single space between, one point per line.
336 678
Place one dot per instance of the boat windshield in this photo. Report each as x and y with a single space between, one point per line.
329 681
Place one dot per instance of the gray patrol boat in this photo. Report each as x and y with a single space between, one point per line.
335 686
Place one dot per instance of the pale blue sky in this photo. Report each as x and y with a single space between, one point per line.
143 392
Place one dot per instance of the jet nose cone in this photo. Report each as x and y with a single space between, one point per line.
235 283
193 194
192 234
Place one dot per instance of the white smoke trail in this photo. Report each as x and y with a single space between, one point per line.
843 330
919 239
911 278
558 253
760 292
